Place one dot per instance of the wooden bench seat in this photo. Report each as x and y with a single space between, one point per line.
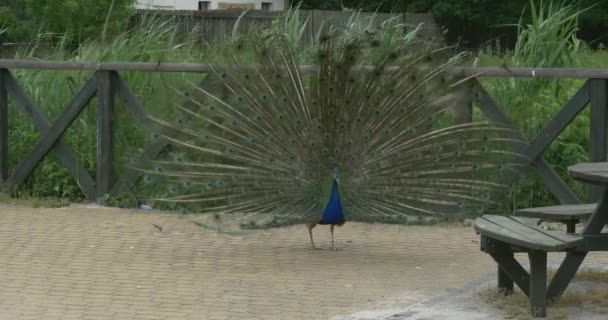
502 236
567 214
523 234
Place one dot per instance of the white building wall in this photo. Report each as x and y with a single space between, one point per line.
277 5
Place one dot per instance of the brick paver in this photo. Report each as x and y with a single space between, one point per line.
96 263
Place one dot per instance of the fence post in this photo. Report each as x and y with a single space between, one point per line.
105 137
464 107
598 137
3 129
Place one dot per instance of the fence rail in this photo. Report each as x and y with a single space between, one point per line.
106 84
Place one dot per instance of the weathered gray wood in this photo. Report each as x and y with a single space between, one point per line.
538 283
563 212
503 255
598 135
497 72
573 260
593 243
513 231
3 129
560 121
564 274
55 132
591 172
575 73
554 183
548 176
528 220
105 135
63 152
505 283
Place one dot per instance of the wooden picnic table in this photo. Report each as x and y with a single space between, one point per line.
502 236
594 173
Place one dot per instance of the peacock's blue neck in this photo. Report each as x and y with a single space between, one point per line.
333 213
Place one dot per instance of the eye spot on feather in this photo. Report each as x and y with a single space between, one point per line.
247 77
156 136
160 170
172 189
500 167
279 76
224 76
241 99
187 184
147 179
183 211
476 167
258 118
484 149
419 156
217 216
212 108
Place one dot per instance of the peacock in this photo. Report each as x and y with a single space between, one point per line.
356 128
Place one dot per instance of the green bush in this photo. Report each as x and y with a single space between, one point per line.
77 20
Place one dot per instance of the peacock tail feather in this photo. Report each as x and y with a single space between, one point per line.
263 140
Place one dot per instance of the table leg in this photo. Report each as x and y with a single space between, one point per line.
505 283
538 283
564 274
571 226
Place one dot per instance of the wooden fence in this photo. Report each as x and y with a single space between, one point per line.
107 84
211 26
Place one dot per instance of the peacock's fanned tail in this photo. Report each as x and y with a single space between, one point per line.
262 141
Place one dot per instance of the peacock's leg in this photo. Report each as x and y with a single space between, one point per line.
333 246
310 226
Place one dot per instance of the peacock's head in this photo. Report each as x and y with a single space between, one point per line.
336 175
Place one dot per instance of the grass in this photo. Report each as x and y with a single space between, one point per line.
516 307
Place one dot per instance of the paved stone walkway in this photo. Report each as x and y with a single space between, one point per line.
101 263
